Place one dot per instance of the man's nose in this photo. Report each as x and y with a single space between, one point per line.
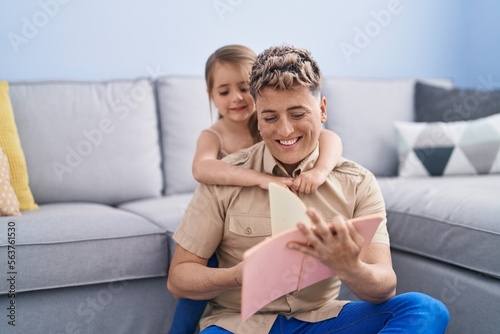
285 127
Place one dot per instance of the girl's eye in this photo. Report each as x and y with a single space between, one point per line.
244 89
224 93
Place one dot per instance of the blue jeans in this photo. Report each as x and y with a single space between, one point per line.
406 313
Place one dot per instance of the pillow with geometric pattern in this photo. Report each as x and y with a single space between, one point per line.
9 205
454 148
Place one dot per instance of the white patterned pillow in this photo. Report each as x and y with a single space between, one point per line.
9 205
454 148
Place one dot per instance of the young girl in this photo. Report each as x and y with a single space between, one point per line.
227 74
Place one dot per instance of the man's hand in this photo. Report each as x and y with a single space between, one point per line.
337 245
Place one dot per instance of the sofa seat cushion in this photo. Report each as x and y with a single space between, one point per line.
165 211
63 245
452 219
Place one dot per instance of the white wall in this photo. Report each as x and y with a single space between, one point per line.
95 40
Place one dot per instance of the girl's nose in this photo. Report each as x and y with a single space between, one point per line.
237 96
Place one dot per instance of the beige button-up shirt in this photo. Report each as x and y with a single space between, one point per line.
228 220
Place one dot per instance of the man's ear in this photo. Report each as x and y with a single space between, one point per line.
322 107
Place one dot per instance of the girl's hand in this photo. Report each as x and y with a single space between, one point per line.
308 182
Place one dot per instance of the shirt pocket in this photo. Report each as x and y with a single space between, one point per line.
250 226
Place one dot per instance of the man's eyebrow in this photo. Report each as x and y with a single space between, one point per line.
267 111
297 107
292 108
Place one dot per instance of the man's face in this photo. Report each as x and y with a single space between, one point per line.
290 123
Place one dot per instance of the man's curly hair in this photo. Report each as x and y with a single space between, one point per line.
285 67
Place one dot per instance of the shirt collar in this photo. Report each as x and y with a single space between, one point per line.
274 167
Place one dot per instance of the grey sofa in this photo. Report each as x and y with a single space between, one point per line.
444 230
110 167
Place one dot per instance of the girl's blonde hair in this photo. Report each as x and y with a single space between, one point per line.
239 56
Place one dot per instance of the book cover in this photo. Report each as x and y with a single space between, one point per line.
271 269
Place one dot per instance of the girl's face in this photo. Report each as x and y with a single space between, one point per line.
230 93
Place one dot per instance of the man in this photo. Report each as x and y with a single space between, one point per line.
285 83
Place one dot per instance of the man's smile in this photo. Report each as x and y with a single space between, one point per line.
288 142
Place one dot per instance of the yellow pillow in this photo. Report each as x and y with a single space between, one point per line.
11 144
9 205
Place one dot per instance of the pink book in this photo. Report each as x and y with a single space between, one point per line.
272 270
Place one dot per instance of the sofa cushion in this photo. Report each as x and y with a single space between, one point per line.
451 219
184 113
9 205
438 104
63 245
89 141
455 148
141 306
165 212
362 112
11 144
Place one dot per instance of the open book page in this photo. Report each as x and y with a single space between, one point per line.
286 209
272 270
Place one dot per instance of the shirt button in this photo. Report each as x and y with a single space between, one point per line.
248 230
244 155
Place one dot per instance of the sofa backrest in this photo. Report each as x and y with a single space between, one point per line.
112 142
363 111
89 141
184 112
